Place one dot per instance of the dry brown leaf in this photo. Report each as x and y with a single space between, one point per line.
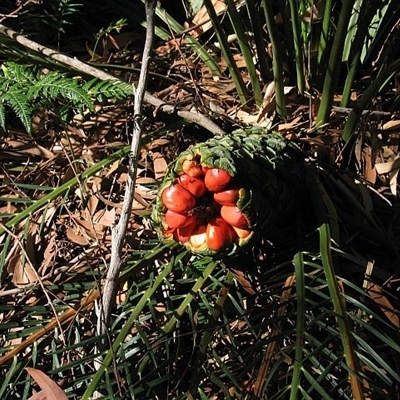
387 167
76 237
145 180
30 149
113 167
157 143
369 168
144 192
268 101
392 168
253 119
104 217
50 389
8 209
23 273
384 304
241 63
395 124
160 165
241 278
50 252
202 17
315 13
289 125
91 205
21 264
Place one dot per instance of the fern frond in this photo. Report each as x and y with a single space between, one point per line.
55 85
19 103
2 116
107 89
25 87
21 73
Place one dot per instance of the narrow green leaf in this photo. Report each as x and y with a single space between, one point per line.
227 53
277 63
126 329
340 312
333 67
300 324
379 83
244 44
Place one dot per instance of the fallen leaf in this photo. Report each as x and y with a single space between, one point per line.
30 149
50 389
392 168
202 19
313 14
395 124
384 304
387 167
75 237
104 217
160 165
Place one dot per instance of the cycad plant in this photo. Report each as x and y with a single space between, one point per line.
258 264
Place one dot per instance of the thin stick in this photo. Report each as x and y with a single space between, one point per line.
119 231
87 69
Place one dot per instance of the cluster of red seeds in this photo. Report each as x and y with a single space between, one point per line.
201 208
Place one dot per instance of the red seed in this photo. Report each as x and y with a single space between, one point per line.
234 217
193 184
227 197
183 234
176 198
176 220
219 234
242 233
216 179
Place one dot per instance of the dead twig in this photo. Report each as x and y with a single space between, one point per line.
119 231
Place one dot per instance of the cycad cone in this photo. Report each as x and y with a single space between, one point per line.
264 167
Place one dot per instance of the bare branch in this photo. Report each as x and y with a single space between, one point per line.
119 231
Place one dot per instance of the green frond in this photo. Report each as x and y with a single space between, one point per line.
101 89
19 103
22 74
55 85
2 116
25 87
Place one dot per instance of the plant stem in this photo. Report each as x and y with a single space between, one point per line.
298 45
326 25
233 69
380 81
277 62
340 311
356 49
262 56
335 59
246 50
298 262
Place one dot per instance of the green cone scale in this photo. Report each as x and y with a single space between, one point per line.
220 195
